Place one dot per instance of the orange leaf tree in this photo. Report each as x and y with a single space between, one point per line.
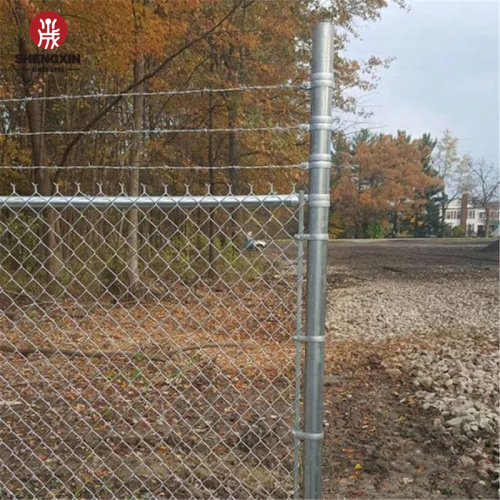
380 182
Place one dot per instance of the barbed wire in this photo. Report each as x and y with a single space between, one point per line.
155 93
155 131
277 128
152 167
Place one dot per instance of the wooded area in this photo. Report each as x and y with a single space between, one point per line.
158 51
162 54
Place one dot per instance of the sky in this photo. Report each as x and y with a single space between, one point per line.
445 74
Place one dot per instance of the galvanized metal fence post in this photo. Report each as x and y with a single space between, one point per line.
319 203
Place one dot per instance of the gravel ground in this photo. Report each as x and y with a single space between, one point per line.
431 308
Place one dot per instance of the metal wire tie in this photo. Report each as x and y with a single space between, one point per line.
319 164
318 201
306 127
319 80
321 122
308 435
310 338
312 236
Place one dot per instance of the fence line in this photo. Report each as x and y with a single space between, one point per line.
156 93
154 131
155 167
145 274
132 393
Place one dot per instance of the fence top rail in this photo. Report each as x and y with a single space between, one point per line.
144 201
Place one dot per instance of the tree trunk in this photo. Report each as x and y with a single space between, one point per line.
136 151
487 222
395 224
237 77
233 150
234 158
52 262
443 219
133 186
211 185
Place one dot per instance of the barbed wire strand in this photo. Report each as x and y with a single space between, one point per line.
151 167
154 131
288 128
155 93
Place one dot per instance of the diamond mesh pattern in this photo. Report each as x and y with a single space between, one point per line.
178 385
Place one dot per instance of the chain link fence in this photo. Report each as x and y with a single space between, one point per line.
173 380
150 340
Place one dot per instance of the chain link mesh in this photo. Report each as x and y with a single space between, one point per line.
176 381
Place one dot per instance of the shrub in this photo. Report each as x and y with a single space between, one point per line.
188 259
374 230
20 242
457 232
336 226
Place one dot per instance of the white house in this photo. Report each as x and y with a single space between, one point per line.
476 217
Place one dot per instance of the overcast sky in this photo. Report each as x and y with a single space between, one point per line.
445 73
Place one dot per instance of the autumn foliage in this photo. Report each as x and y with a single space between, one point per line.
183 45
379 182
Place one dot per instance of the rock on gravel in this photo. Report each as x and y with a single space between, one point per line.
450 348
459 378
456 372
466 461
394 372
